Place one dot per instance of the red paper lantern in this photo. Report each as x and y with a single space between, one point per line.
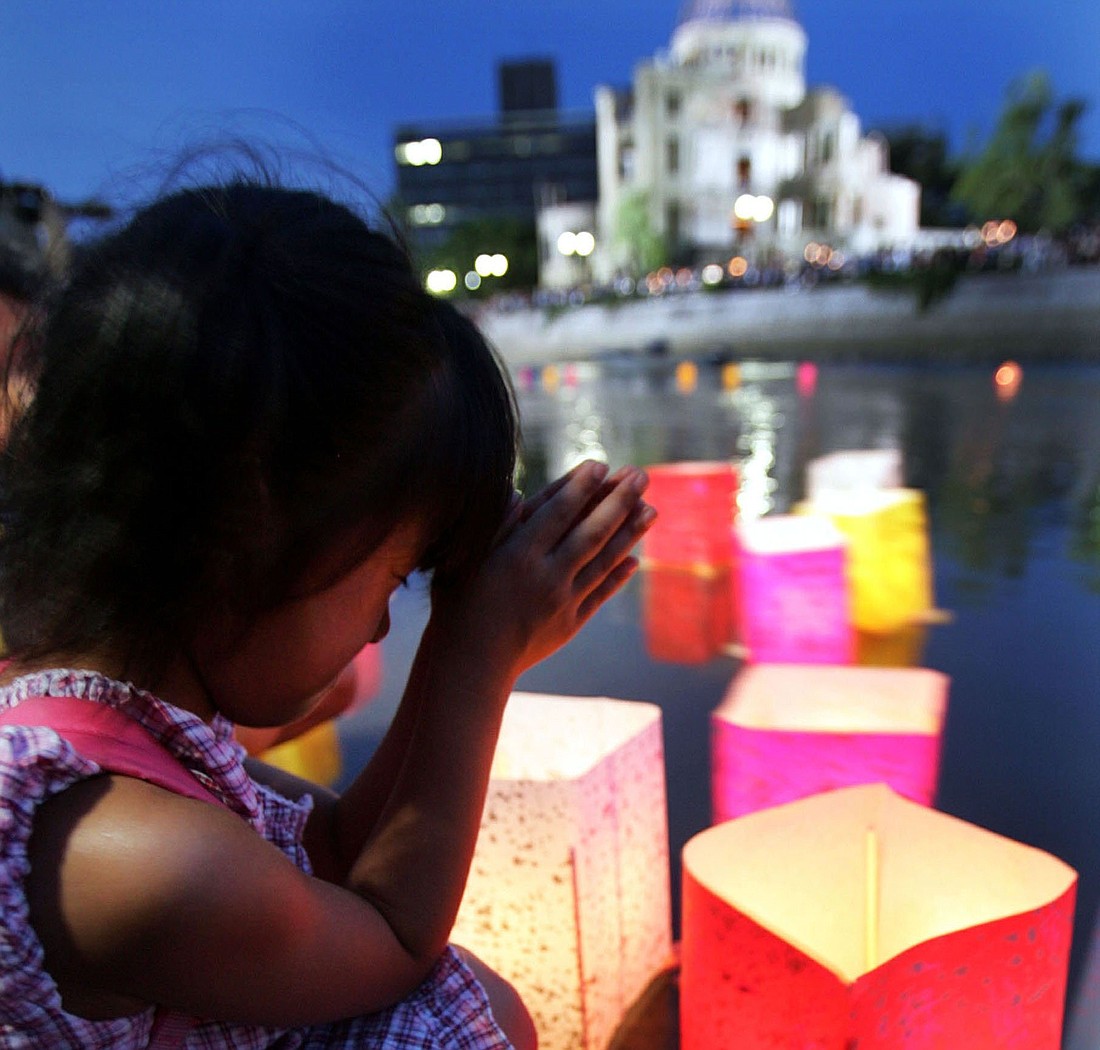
858 919
688 616
696 504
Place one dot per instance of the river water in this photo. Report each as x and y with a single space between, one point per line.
1013 491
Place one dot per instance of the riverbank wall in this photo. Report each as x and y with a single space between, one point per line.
1024 316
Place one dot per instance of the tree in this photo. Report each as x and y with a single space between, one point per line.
921 155
1028 170
513 238
646 249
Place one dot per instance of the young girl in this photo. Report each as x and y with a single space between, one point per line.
250 426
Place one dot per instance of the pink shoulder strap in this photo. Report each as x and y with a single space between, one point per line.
113 740
120 745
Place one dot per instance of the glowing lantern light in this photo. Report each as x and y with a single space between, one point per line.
901 648
1007 380
551 379
688 616
687 376
731 376
889 555
806 379
785 732
568 895
695 503
858 918
793 589
313 755
853 470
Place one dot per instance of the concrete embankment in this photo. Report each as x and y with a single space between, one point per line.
1043 316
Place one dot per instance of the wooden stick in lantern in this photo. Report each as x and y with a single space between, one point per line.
870 845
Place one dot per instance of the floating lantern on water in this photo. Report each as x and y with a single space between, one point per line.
1007 380
313 754
854 470
687 377
858 918
806 378
695 505
785 732
901 648
568 895
793 591
688 616
889 555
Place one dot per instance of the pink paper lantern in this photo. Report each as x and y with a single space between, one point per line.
568 895
793 591
784 732
856 918
696 504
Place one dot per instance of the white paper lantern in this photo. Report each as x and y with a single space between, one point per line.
568 895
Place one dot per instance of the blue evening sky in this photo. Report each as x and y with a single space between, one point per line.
93 90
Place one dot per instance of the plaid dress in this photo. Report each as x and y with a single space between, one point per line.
449 1011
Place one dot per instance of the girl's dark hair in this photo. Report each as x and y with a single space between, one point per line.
236 381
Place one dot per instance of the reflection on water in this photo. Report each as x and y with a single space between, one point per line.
1013 490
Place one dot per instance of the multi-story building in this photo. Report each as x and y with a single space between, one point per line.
721 144
451 173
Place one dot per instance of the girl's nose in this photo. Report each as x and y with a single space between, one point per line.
383 627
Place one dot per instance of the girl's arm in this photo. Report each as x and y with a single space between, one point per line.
560 561
367 798
142 896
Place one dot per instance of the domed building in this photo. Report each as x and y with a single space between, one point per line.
718 148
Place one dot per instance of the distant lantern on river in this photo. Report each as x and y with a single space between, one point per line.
858 918
792 584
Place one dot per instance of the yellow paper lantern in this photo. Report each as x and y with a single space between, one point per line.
314 755
568 895
889 556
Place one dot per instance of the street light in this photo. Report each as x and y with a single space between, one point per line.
752 208
421 152
579 242
488 265
440 282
